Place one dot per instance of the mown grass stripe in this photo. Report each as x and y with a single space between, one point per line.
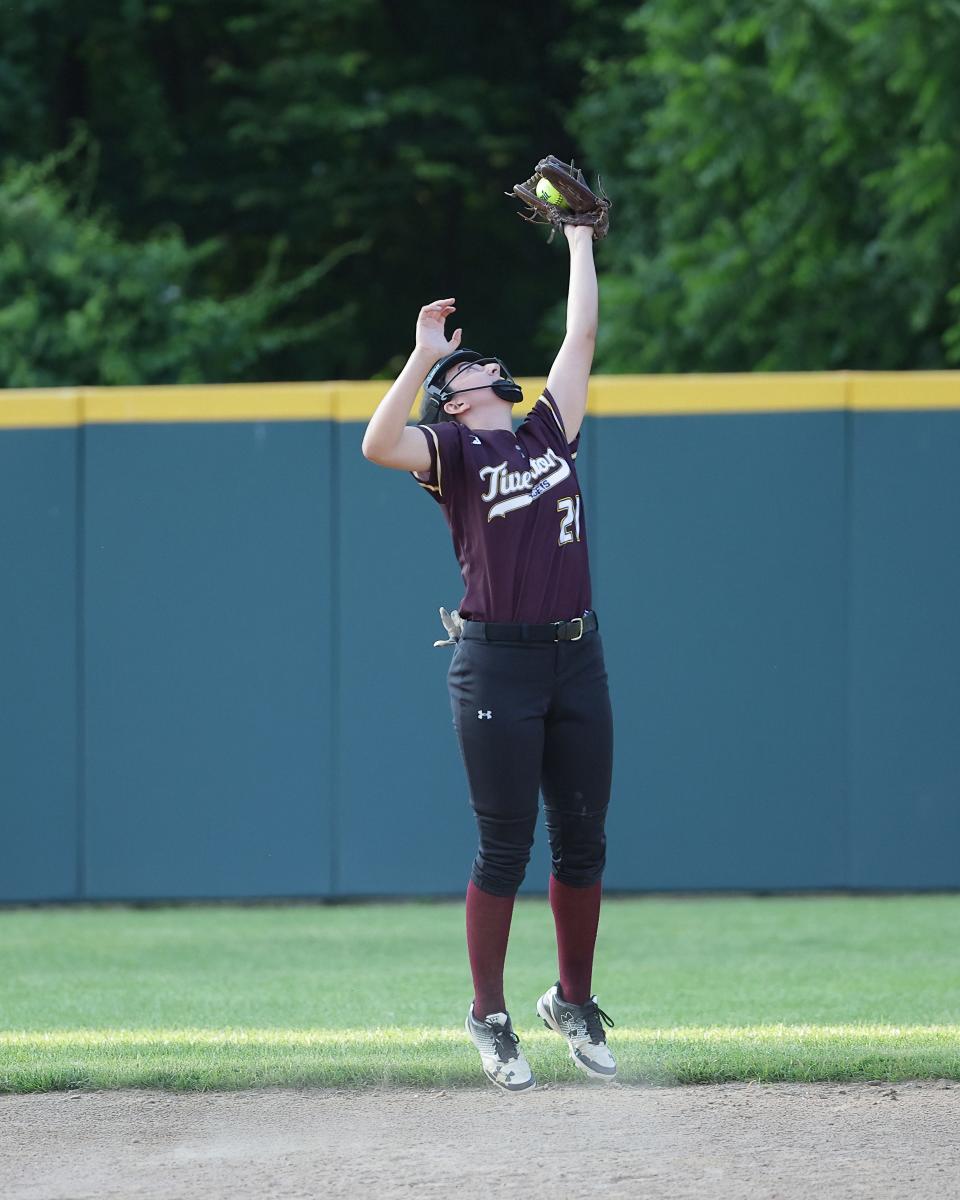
404 1036
189 1059
701 989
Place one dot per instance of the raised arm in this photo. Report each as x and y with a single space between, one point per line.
388 440
570 372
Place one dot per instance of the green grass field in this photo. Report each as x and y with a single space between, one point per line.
700 990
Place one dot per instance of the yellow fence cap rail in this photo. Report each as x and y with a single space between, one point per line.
211 402
695 395
904 390
609 396
40 408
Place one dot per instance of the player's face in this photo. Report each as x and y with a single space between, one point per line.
485 407
471 375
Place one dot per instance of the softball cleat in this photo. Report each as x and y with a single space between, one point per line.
500 1053
580 1025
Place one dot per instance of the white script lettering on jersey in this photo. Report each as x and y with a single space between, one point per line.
503 482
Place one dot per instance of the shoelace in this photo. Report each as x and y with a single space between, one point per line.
592 1012
505 1042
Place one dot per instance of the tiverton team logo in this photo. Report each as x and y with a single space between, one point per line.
501 481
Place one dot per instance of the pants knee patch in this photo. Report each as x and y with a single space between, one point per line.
498 883
578 845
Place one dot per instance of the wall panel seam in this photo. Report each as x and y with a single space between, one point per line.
334 774
846 662
80 659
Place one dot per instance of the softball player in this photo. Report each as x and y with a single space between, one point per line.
527 681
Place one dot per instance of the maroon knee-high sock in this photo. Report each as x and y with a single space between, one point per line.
576 914
488 927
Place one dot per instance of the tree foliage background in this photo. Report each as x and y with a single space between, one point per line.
196 190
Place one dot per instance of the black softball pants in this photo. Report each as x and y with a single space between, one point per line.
532 716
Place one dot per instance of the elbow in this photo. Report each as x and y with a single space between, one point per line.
368 451
583 333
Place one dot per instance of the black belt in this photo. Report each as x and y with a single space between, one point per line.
555 631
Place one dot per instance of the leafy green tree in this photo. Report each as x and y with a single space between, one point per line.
786 178
324 122
783 175
80 305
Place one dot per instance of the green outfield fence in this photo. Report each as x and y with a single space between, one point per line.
217 676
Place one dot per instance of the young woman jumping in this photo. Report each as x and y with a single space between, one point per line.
527 681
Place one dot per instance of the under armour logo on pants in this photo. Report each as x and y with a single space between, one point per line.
481 714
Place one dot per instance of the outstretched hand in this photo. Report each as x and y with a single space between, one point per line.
430 334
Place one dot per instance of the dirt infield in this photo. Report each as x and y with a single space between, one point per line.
733 1140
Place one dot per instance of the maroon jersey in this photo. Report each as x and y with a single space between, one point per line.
513 504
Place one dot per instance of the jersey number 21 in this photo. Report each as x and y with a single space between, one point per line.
569 506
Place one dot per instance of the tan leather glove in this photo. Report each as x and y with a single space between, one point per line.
578 204
453 625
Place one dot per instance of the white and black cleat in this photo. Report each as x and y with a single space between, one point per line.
503 1060
580 1025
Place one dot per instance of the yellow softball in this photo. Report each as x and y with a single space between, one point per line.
546 191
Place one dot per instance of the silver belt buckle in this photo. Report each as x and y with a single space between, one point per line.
580 634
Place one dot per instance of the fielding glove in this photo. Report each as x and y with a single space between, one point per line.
584 207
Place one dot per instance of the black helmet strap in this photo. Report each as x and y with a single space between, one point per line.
436 396
502 387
